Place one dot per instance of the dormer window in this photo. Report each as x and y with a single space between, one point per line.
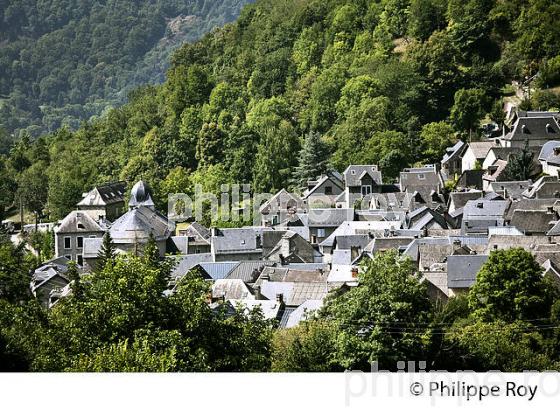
524 129
421 176
549 129
81 226
353 172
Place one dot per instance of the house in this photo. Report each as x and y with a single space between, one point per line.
323 192
360 181
494 173
535 131
425 184
73 231
475 154
104 201
509 189
470 179
279 207
504 153
49 279
425 218
549 158
534 222
462 271
321 221
544 187
479 215
236 244
292 248
451 164
198 238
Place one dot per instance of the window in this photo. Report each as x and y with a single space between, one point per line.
81 226
366 189
328 190
421 176
321 232
80 241
80 260
67 242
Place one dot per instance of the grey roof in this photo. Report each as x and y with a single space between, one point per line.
454 151
334 177
546 186
236 240
354 173
549 153
538 127
480 148
106 194
495 170
271 309
327 217
286 316
484 208
352 241
533 221
462 269
140 195
78 221
185 263
249 271
411 179
510 189
231 289
308 266
283 274
532 204
218 270
303 312
137 225
459 199
295 293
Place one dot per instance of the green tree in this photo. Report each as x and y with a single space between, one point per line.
510 286
436 137
107 253
468 110
383 319
520 167
312 160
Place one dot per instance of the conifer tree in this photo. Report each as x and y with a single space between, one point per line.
107 252
312 160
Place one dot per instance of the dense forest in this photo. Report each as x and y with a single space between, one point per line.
63 61
389 82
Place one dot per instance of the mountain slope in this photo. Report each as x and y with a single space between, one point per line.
62 61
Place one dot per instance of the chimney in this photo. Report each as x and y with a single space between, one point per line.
557 150
280 298
354 272
258 294
480 205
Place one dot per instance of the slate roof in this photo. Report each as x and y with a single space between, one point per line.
245 270
480 148
295 293
107 194
91 248
485 208
217 270
454 151
354 173
459 199
271 309
137 225
471 178
533 221
78 221
236 240
326 217
411 179
286 316
495 170
538 127
140 195
303 312
545 186
532 204
185 263
231 289
282 274
360 228
348 242
555 230
462 269
548 154
510 189
335 178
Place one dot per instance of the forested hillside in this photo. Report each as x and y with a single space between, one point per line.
387 82
62 61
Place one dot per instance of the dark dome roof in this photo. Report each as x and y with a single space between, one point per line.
140 195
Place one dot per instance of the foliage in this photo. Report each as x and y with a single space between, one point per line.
436 137
510 287
520 167
384 318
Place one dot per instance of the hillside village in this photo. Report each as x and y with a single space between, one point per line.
445 217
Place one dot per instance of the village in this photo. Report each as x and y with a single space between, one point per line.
446 217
